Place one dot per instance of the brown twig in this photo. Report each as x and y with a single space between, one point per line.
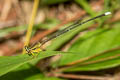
88 77
100 60
81 60
87 58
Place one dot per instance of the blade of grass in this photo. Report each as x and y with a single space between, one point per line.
27 72
9 63
88 9
86 6
30 26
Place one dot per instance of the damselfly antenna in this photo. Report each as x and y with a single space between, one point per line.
77 23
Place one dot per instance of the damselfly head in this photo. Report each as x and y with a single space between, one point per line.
34 50
27 49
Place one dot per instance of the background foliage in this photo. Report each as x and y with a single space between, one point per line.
92 47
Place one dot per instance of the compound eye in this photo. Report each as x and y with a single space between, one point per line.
27 48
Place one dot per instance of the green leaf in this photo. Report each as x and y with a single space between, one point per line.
6 31
9 63
86 7
26 72
23 72
101 61
97 41
94 43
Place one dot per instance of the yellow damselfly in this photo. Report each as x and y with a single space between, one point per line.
37 48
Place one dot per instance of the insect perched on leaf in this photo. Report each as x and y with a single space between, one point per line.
35 49
32 51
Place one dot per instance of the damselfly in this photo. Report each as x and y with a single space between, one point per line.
37 48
